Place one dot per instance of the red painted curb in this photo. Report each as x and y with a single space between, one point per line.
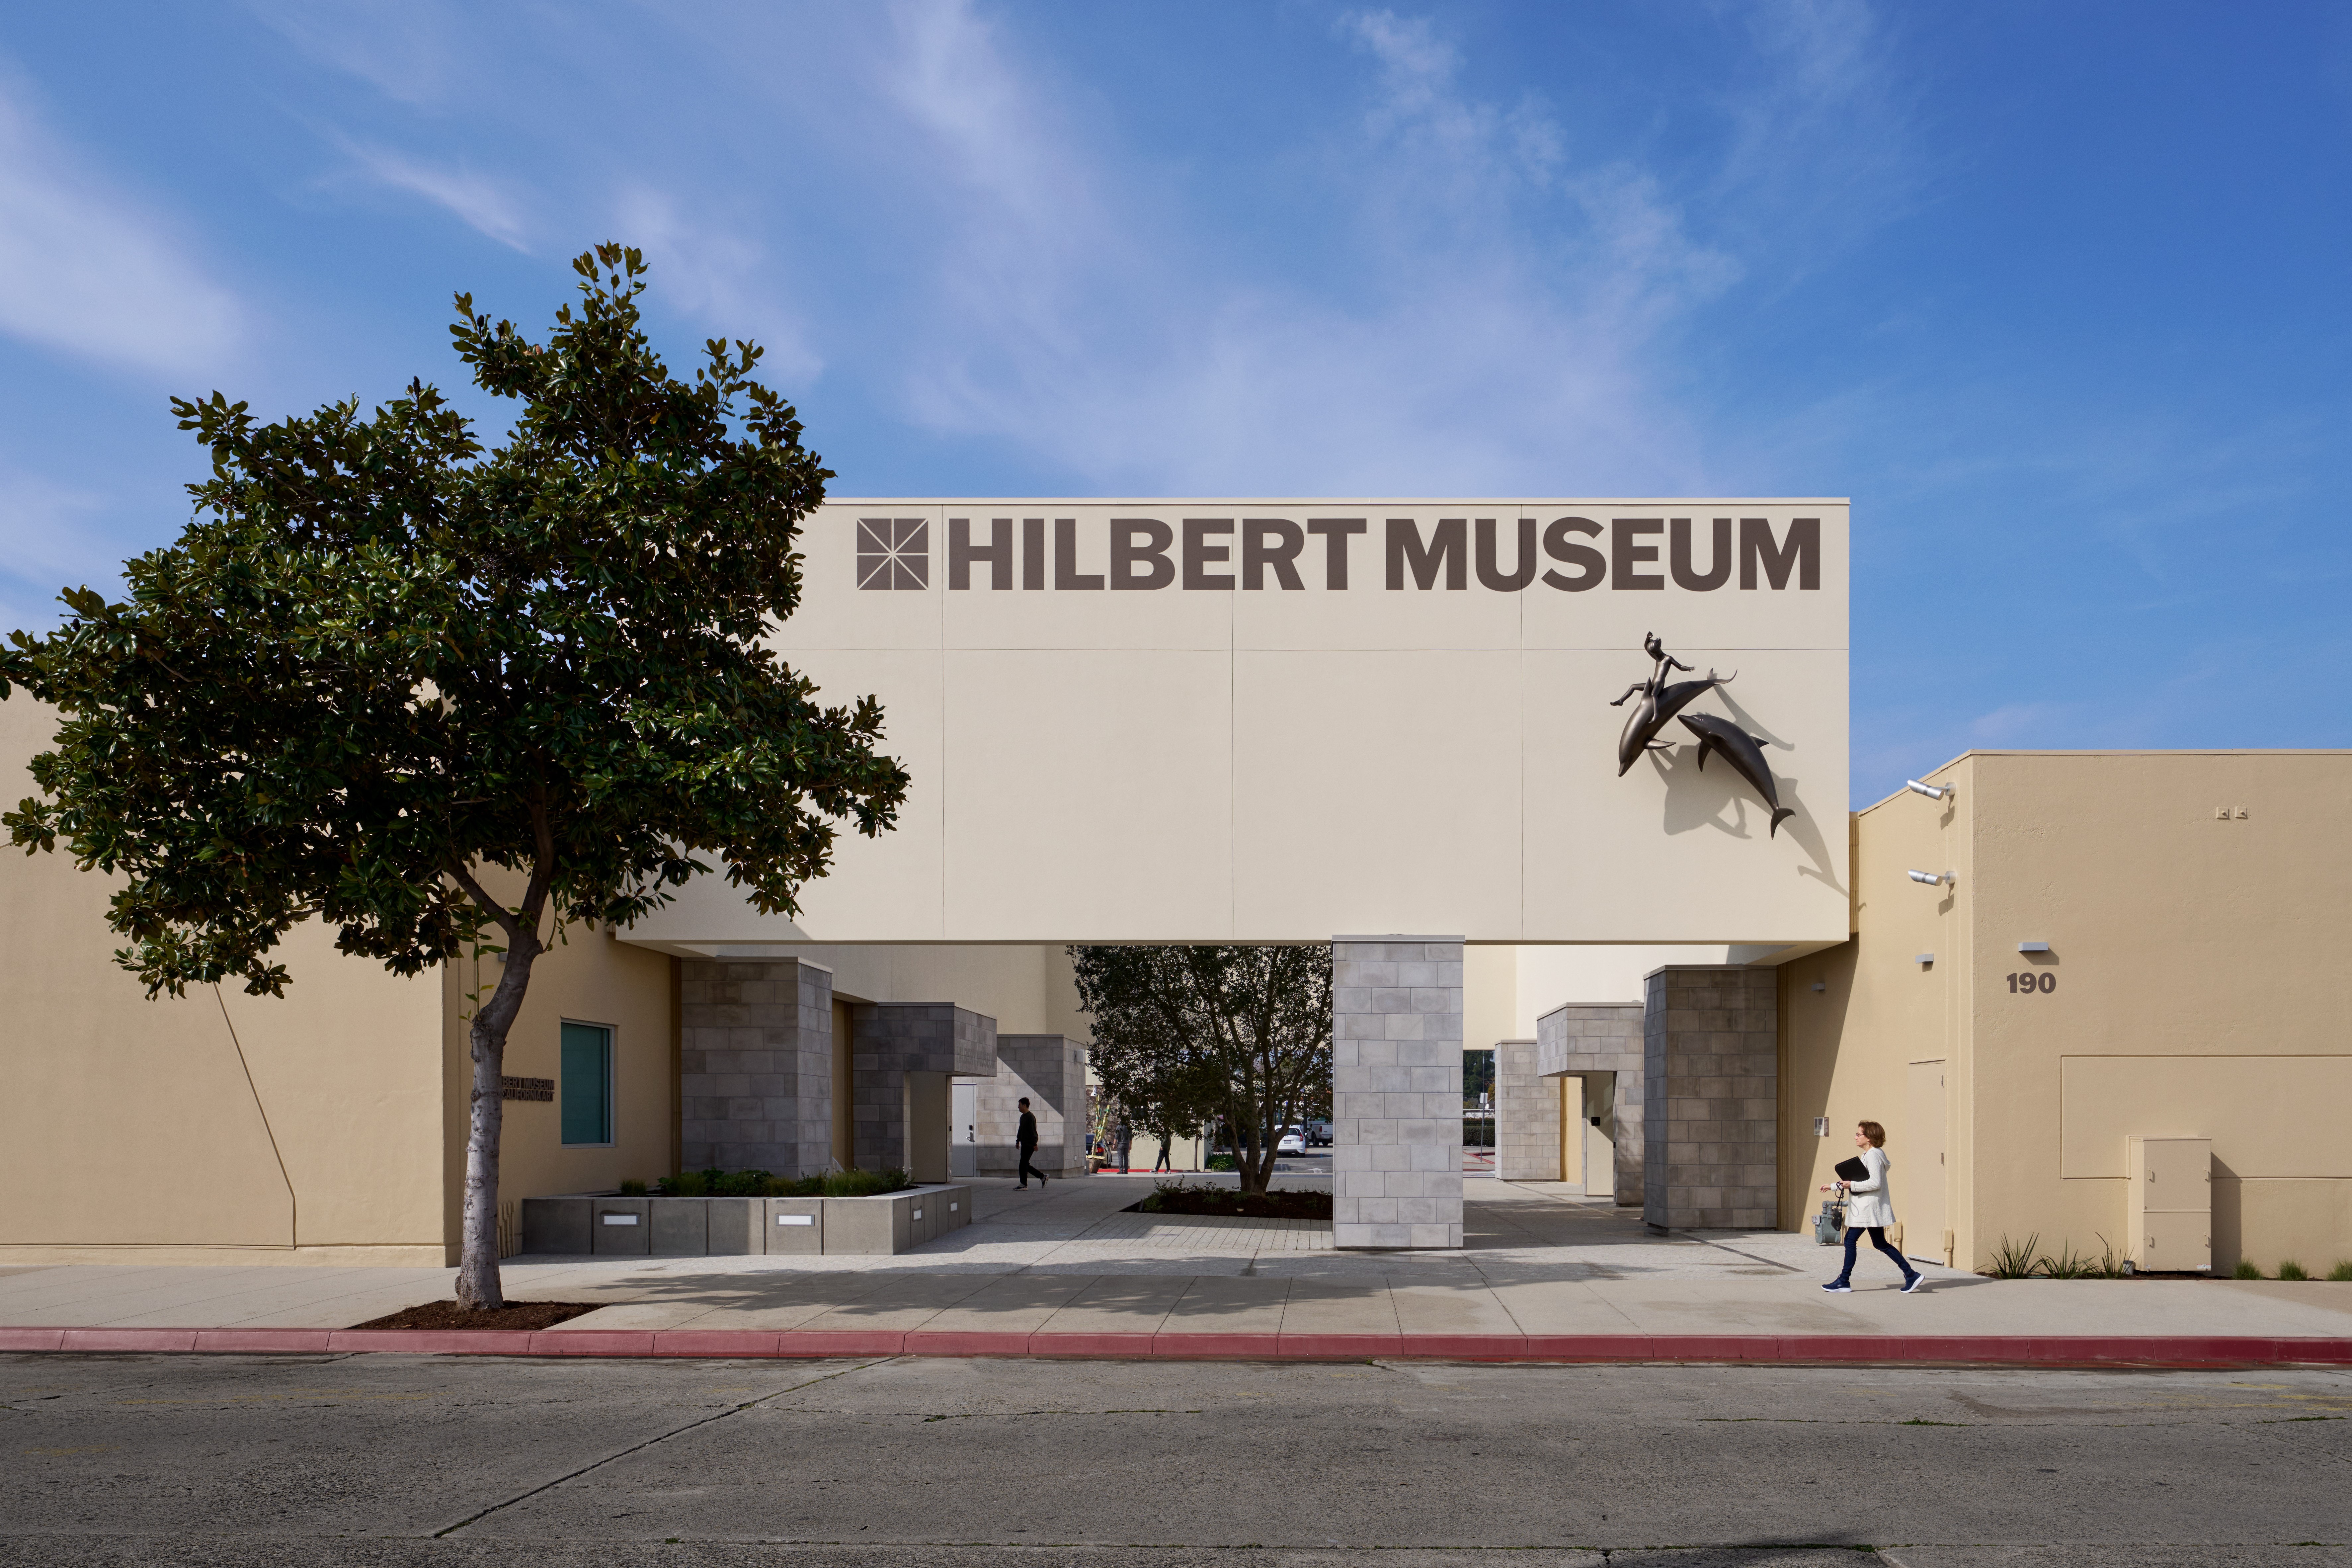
265 1342
2082 1350
715 1342
965 1341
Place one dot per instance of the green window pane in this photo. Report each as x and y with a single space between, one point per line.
587 1084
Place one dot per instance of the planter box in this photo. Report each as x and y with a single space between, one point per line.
602 1226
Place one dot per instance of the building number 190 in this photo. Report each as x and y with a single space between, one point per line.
2027 984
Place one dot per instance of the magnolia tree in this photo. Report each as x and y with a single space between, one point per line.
1188 1034
449 698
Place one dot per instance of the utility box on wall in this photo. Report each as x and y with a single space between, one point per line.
2169 1208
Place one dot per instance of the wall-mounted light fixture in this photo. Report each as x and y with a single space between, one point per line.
1820 985
1923 959
1933 792
1950 878
2033 947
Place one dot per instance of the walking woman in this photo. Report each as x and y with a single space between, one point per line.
1870 1205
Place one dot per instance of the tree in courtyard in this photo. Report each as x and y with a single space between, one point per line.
1191 1033
452 699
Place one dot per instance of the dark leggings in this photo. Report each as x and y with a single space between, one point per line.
1028 1151
1877 1239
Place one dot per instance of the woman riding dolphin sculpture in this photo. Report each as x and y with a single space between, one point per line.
1659 703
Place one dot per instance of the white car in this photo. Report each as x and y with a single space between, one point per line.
1292 1141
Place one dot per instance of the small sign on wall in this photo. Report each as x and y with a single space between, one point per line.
527 1088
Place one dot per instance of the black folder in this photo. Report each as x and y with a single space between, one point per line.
1852 1171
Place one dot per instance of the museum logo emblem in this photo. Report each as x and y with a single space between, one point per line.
893 552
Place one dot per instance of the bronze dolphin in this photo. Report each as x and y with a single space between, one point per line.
1745 752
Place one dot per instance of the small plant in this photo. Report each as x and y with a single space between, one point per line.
2290 1269
2342 1272
2068 1265
632 1188
685 1184
2246 1270
2108 1267
865 1183
2015 1261
1219 1163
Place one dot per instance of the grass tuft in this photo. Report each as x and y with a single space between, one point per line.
2342 1272
2015 1261
2246 1270
2290 1269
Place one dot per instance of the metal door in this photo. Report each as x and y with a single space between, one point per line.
1920 1178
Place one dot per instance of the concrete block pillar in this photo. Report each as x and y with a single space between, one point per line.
1396 1092
904 1125
1051 1070
1710 1127
1604 1038
1527 1116
755 1066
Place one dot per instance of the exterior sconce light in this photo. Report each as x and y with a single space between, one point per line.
2033 947
1950 878
1933 792
1923 959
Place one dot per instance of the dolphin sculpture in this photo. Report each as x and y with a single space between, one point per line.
1745 752
1660 703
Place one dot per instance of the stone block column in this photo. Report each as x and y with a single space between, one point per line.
755 1066
889 1042
1527 1116
1396 1092
1710 1127
1587 1037
1051 1070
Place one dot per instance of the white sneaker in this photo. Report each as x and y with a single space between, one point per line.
1916 1282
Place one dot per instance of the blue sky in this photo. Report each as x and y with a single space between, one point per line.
2057 293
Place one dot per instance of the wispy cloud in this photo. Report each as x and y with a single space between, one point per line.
89 272
485 204
721 279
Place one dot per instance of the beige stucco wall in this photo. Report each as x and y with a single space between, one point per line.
218 1127
2198 965
1184 764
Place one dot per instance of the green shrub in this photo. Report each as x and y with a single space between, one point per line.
685 1184
2015 1261
2342 1272
718 1183
2290 1269
1219 1163
2068 1265
865 1183
632 1188
2246 1270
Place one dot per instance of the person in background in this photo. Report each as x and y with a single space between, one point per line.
1870 1205
1027 1138
1124 1137
1163 1162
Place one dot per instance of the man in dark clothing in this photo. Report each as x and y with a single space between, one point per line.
1027 1139
1124 1136
1166 1141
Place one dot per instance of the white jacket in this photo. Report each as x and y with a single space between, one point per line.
1871 1201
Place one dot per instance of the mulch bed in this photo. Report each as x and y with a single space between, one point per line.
513 1315
1225 1201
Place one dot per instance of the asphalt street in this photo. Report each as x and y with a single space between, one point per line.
401 1461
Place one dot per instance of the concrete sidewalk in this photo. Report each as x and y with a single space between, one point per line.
1056 1270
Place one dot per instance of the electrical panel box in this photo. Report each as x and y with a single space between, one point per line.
2169 1208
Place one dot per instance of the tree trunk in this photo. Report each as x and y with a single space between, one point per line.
478 1286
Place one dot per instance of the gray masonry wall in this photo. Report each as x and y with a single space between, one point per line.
889 1040
1710 1049
1601 1036
755 1066
1527 1116
1052 1071
1396 1092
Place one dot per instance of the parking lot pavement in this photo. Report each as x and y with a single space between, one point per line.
899 1463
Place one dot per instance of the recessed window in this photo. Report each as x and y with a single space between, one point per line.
587 1083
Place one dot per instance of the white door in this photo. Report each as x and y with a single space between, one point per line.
1920 1178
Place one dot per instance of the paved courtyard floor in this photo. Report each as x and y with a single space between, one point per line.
1536 1259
